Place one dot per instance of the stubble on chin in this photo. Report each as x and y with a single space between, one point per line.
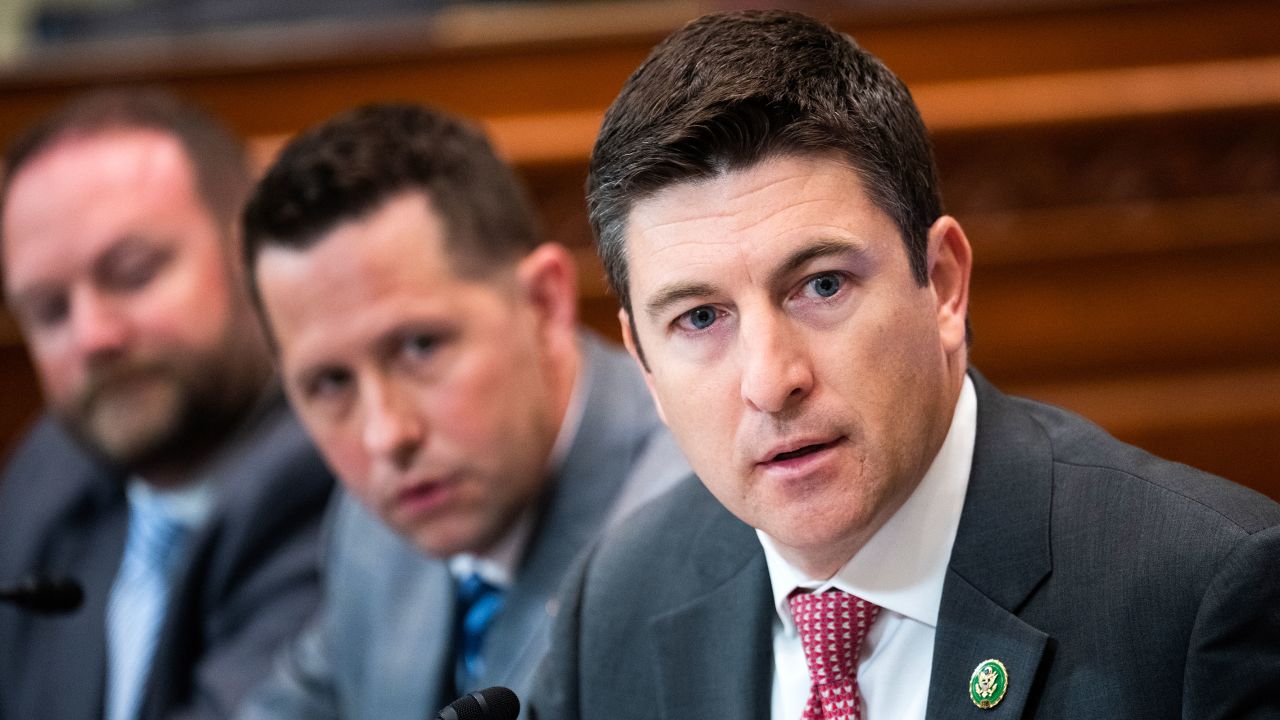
127 416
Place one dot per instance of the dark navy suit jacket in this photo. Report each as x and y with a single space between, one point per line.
248 583
1112 584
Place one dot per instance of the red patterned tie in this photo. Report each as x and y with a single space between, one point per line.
832 626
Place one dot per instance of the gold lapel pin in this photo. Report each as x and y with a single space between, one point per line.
988 684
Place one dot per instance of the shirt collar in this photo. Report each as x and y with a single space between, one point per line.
903 566
190 504
498 566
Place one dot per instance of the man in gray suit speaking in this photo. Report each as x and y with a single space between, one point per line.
428 341
878 532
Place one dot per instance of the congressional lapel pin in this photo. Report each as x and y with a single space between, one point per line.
989 682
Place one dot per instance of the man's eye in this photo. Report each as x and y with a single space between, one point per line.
133 269
328 384
699 318
826 285
419 344
45 312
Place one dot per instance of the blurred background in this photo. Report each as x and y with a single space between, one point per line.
1115 163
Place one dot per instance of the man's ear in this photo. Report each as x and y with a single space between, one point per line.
633 347
548 278
950 267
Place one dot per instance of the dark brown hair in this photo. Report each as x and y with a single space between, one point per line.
729 90
348 167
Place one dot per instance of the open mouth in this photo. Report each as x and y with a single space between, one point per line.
801 452
424 496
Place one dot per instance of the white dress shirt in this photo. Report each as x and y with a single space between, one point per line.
167 520
901 569
189 504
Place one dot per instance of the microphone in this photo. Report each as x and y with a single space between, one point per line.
495 703
45 595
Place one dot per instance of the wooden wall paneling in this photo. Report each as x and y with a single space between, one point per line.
1225 422
280 92
19 392
1164 313
1116 166
963 45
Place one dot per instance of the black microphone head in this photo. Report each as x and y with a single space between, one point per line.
495 703
45 595
57 595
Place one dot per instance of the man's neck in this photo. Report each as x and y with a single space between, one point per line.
565 372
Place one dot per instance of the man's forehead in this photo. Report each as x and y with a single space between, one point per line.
118 174
763 214
401 235
97 190
740 197
391 258
113 155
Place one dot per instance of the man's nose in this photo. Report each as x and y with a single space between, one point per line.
99 326
393 427
776 369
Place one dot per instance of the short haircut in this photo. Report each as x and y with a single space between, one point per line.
732 89
218 160
350 166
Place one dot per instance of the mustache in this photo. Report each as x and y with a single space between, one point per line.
102 381
779 434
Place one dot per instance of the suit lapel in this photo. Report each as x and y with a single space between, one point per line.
715 654
242 487
76 644
971 630
522 634
1001 554
63 515
411 665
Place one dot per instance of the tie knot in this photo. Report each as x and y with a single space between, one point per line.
832 626
155 536
473 588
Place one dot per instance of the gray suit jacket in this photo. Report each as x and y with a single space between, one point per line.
1111 583
247 584
382 647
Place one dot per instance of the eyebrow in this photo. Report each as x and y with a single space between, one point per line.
679 292
676 293
809 253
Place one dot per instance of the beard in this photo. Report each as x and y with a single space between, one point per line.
166 409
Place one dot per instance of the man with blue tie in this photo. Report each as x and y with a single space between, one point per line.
168 476
428 339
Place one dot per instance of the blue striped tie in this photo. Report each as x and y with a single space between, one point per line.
478 604
136 608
